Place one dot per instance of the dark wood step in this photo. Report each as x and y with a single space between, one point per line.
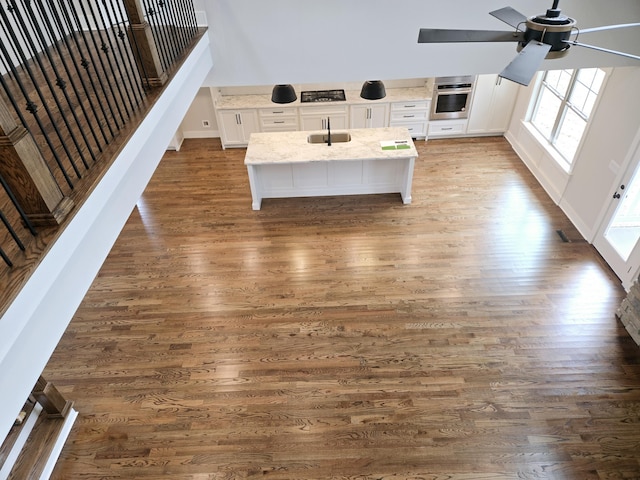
31 449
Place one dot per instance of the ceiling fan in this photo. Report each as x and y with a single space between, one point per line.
544 36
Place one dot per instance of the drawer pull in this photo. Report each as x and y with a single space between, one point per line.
447 128
409 116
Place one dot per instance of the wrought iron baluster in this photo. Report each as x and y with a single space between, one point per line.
31 106
169 31
161 44
27 40
84 49
11 231
108 50
101 60
56 33
60 82
133 47
17 206
6 259
123 52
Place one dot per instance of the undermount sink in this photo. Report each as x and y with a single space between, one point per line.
340 137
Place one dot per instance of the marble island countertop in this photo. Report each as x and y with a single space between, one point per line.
293 147
352 98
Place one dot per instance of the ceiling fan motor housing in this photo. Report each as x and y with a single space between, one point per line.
551 29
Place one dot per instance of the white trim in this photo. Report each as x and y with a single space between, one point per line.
21 441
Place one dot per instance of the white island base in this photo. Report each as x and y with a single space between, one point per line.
284 164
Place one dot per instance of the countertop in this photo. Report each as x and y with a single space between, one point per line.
232 102
292 147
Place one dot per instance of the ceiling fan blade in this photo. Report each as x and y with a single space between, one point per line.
608 27
509 16
600 49
522 68
435 35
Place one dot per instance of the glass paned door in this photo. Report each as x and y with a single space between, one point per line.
618 240
623 231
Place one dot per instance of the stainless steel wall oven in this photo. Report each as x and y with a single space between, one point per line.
451 97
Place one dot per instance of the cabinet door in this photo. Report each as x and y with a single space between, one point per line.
339 122
359 116
230 130
492 105
236 126
248 123
315 117
370 116
312 122
379 115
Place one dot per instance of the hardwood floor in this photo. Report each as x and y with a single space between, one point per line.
351 337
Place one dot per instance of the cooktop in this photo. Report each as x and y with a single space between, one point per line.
323 96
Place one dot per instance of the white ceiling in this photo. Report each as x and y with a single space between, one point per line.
292 41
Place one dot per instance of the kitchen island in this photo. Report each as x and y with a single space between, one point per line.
374 160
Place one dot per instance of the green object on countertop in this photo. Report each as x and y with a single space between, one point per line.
394 145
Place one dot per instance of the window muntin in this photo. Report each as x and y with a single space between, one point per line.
563 106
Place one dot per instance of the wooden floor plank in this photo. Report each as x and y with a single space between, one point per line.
351 337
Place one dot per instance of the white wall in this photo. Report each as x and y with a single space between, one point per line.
289 41
606 146
585 193
201 109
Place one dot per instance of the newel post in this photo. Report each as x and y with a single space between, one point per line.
53 403
145 50
27 174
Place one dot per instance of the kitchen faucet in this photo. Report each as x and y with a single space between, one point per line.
328 131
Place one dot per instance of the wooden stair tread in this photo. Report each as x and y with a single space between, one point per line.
14 433
42 447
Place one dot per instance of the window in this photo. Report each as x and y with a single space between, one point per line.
563 105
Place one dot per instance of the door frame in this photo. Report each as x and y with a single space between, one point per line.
627 271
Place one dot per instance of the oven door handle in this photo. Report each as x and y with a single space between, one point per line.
451 91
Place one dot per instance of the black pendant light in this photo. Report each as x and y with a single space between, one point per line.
373 90
283 94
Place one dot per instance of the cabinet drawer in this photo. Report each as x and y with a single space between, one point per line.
447 127
325 110
408 106
409 115
278 112
284 122
416 129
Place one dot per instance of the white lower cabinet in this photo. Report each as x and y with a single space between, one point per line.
447 128
413 115
278 119
369 116
492 105
236 126
315 118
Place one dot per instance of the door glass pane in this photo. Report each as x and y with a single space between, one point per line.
624 230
